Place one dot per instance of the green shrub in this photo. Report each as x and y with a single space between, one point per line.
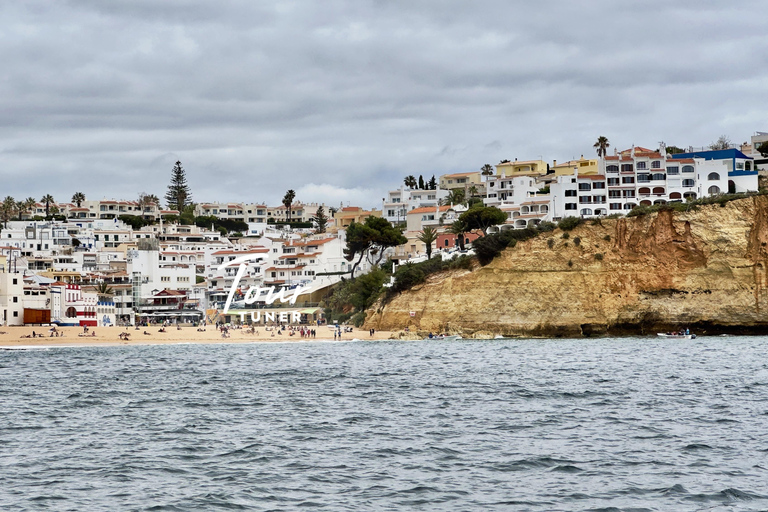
569 223
614 216
570 263
599 257
551 243
577 241
546 226
607 238
358 319
566 236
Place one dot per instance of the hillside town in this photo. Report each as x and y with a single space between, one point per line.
121 262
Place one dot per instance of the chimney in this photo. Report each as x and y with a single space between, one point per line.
554 163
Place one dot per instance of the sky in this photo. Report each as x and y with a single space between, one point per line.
339 100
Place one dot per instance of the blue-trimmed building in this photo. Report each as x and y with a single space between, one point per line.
723 170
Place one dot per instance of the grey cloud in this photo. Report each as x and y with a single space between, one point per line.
255 98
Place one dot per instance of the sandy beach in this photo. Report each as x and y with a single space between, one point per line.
106 336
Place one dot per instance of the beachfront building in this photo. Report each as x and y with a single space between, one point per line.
399 202
220 279
11 292
71 306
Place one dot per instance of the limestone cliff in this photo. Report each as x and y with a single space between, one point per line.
705 270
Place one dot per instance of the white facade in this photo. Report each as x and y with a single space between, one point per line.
399 202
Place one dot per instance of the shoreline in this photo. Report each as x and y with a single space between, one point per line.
21 336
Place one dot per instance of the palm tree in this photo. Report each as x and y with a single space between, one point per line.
103 290
486 170
6 209
428 236
47 200
28 205
78 198
455 196
287 202
602 146
410 181
458 228
472 191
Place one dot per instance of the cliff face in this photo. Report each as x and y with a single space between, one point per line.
706 270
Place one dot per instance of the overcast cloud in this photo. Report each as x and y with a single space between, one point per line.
340 100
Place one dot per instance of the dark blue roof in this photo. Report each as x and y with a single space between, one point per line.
717 154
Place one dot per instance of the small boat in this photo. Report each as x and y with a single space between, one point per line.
676 335
447 337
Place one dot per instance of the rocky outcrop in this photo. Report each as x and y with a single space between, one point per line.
706 269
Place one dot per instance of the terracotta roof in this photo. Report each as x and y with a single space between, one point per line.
460 174
430 209
231 252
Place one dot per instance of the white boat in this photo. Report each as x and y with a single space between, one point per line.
443 337
676 336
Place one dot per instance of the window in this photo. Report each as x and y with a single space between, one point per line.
629 193
658 176
629 206
570 193
628 179
586 211
687 168
570 206
15 299
739 166
598 184
713 176
585 199
613 182
614 193
673 170
599 199
643 178
656 164
713 190
612 168
615 206
688 183
585 186
642 165
16 314
626 168
15 281
165 279
748 166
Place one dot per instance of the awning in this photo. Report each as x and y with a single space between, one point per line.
309 311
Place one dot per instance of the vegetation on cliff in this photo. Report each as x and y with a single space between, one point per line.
704 268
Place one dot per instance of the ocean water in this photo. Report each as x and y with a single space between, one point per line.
629 424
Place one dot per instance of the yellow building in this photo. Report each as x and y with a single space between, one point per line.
348 215
586 167
462 180
521 168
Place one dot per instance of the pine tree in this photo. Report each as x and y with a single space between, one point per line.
433 183
178 195
320 219
421 182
